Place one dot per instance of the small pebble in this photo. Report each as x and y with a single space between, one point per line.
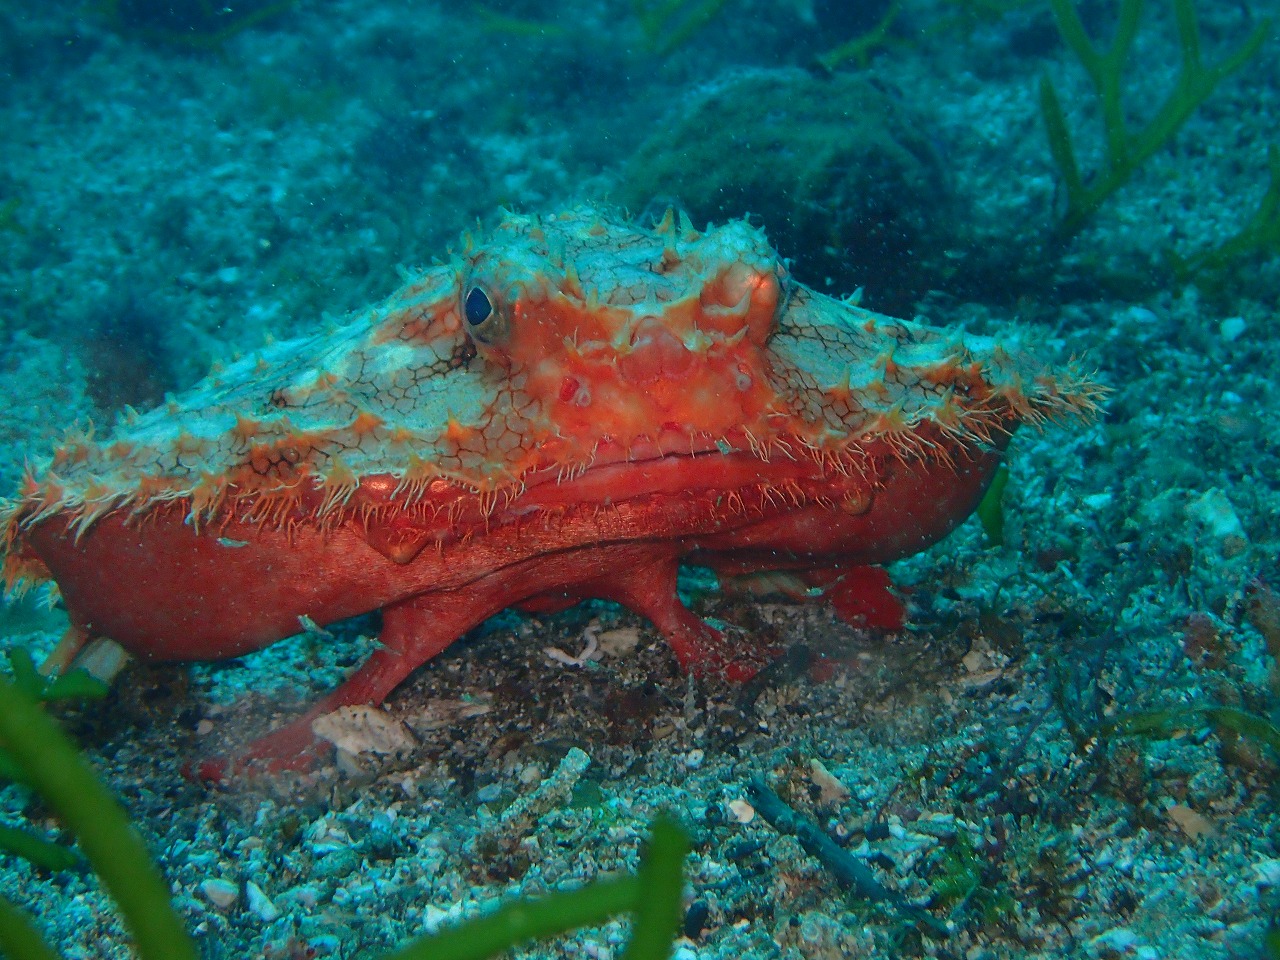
324 944
619 642
434 917
1141 316
1268 872
223 894
305 896
742 811
259 903
1217 516
1120 939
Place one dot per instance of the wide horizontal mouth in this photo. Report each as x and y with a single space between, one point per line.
675 474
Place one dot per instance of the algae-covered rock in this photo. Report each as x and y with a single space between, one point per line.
839 172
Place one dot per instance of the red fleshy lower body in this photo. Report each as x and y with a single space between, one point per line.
616 533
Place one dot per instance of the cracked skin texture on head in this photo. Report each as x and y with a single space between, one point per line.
569 408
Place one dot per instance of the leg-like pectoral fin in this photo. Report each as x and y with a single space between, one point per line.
650 590
413 631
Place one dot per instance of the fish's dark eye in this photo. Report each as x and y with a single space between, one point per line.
477 308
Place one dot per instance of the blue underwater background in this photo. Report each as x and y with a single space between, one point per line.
1070 751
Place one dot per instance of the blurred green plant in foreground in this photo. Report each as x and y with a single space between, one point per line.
38 756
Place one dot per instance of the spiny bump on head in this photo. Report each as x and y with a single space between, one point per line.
246 428
687 232
457 432
188 444
570 284
366 423
886 363
842 390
